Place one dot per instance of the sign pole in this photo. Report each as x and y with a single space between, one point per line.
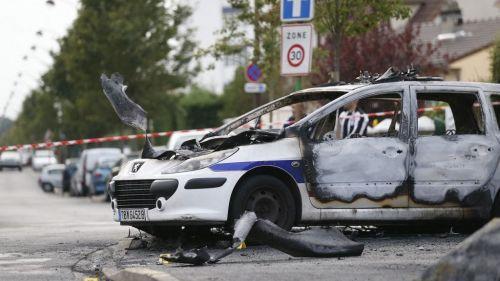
298 83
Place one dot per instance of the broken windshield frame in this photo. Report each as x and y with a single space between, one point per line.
294 98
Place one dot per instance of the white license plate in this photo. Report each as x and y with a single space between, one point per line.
133 214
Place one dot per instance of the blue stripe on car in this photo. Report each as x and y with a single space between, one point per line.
295 172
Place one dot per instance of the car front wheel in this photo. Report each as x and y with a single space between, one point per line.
268 197
47 187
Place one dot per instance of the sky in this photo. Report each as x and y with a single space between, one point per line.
19 22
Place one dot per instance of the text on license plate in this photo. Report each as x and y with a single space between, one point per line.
132 214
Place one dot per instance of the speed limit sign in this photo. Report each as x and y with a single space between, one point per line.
296 49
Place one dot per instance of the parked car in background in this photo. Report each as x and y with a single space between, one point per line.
81 183
177 138
26 154
51 177
42 158
102 172
69 171
10 159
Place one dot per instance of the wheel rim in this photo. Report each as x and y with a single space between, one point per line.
267 204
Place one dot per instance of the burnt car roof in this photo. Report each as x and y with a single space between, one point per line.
333 91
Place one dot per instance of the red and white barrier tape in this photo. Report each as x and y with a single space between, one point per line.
159 134
92 140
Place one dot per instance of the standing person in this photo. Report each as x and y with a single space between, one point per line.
353 121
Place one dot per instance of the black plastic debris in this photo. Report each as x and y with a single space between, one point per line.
315 242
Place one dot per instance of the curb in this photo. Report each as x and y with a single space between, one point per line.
138 274
476 258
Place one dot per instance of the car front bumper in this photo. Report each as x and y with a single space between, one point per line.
198 199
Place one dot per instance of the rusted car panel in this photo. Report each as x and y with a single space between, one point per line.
454 169
451 176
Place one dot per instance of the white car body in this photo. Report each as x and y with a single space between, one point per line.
177 138
10 159
361 179
52 176
42 158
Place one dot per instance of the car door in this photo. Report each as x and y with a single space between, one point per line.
452 168
365 171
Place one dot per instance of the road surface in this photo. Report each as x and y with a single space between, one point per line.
45 236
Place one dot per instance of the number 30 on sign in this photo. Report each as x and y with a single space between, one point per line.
296 49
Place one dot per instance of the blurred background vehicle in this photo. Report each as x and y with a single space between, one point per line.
115 169
26 154
51 177
69 171
42 158
81 182
177 138
10 159
102 172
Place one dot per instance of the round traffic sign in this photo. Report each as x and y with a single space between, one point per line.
253 72
295 55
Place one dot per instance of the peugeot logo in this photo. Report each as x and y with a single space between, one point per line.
136 166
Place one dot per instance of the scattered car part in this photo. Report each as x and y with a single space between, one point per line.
316 242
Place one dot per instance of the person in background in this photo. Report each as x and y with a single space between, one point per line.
353 122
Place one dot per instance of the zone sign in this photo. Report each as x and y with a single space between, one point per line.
296 49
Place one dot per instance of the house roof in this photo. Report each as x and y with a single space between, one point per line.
469 38
426 11
429 10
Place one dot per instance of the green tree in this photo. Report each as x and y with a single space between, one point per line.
200 108
234 99
495 63
340 18
263 17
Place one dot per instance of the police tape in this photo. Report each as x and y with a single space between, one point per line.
162 134
92 140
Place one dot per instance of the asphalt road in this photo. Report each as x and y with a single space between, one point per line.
53 237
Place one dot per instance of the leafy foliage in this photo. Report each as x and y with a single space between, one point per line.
234 100
200 108
347 18
495 64
263 17
376 51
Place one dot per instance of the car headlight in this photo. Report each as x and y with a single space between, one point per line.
200 162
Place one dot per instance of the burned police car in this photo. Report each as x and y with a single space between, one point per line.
397 148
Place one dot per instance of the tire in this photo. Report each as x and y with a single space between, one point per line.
20 168
47 187
268 197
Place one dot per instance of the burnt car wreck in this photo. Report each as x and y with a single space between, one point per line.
395 148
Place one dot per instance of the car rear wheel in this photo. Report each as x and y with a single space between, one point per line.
268 197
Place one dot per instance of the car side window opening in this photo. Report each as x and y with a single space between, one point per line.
495 103
374 116
442 114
